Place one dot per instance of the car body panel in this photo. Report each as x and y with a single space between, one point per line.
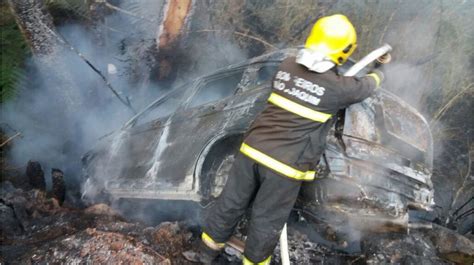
378 158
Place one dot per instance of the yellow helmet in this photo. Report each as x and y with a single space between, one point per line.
334 36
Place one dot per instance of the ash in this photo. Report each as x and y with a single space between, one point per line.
424 246
37 229
302 250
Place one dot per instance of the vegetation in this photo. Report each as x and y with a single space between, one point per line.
432 67
13 54
14 49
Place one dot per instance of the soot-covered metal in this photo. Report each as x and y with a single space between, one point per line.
378 160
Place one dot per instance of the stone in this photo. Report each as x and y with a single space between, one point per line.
101 209
452 246
9 225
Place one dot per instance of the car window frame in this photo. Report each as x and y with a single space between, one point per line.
186 105
192 88
132 122
274 63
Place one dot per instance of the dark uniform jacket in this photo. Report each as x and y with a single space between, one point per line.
282 133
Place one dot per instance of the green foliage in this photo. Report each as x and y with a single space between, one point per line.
13 53
14 49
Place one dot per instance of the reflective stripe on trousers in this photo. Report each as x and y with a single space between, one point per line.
246 261
210 242
276 165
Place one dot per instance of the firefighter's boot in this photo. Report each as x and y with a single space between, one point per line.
203 254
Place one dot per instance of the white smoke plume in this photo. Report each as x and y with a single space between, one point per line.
57 134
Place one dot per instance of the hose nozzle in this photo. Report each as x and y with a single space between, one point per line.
384 59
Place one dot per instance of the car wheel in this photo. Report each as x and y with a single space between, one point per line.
217 165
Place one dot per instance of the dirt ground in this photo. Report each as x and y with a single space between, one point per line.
36 229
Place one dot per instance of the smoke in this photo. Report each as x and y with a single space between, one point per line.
57 132
432 45
62 111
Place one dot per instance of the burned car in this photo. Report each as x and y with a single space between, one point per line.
377 165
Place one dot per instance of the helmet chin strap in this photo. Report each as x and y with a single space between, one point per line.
314 61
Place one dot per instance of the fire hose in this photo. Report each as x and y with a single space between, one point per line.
284 254
382 56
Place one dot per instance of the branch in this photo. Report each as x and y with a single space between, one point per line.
465 179
254 38
453 213
317 16
116 8
62 40
450 103
303 28
10 139
384 31
241 34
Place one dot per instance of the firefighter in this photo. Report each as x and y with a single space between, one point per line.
282 147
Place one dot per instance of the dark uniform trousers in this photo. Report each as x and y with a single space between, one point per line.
289 136
273 197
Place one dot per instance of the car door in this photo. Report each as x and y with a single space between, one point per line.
196 121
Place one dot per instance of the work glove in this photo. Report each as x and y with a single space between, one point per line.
380 62
379 74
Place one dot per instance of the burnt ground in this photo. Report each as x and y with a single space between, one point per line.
35 229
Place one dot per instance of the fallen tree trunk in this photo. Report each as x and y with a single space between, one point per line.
48 47
35 23
38 29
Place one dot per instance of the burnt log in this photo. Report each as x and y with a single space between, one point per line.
175 17
35 175
59 186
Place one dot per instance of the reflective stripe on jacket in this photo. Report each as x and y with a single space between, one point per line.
289 135
298 109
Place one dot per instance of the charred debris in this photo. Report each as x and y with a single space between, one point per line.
37 229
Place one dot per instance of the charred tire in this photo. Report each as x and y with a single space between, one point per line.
465 226
217 165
